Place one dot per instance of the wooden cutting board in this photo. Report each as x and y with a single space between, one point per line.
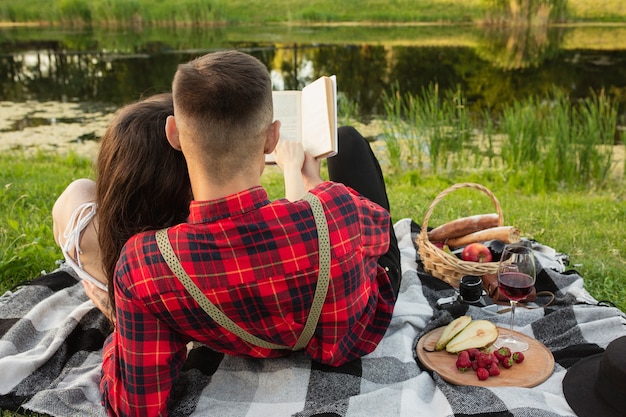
537 366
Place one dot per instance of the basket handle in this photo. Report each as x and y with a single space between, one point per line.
431 208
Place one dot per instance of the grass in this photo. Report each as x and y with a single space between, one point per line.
113 12
202 12
580 223
29 186
539 144
608 10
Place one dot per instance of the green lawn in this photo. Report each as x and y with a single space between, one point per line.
587 224
583 224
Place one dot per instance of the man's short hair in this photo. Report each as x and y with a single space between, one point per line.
223 104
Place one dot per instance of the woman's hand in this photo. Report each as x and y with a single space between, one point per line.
100 298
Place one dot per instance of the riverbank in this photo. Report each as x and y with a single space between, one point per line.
63 128
221 12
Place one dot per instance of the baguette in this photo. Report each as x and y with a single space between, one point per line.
507 234
463 226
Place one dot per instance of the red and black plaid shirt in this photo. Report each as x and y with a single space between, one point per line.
258 262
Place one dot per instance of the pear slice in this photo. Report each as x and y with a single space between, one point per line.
451 330
477 334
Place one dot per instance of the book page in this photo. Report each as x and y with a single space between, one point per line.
319 117
287 109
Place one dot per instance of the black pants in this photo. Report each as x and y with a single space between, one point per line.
356 166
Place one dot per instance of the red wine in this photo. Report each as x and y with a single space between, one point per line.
515 285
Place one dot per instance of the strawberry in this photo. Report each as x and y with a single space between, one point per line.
507 362
494 369
483 360
518 357
463 362
482 374
473 352
503 352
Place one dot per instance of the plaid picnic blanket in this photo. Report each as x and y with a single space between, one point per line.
51 337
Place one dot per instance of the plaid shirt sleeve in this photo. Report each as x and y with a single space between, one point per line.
142 358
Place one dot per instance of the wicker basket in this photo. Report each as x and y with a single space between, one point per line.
446 266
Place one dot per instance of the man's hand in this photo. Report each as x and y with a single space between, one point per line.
290 158
311 175
301 170
289 154
100 298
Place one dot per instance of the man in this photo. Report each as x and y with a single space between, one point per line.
257 261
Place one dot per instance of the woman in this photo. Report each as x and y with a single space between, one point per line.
141 183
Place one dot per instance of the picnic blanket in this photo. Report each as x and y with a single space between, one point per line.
51 337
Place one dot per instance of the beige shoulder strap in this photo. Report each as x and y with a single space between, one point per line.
219 317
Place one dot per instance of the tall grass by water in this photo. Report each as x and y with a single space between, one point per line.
540 144
185 12
203 12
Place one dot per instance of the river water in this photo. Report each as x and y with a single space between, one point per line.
87 74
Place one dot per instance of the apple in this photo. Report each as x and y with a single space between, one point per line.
476 252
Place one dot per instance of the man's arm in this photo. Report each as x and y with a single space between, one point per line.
142 359
301 171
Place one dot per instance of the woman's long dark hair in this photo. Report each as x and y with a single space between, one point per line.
142 182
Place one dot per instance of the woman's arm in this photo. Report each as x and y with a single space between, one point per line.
100 298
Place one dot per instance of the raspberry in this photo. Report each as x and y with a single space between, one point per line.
518 357
507 362
503 352
463 362
494 370
482 374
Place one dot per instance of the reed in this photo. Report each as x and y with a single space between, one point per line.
396 131
540 143
431 131
209 12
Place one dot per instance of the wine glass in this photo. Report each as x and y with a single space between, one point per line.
516 278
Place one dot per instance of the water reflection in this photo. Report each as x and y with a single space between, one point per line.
521 46
492 67
28 122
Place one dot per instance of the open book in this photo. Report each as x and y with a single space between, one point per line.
309 116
